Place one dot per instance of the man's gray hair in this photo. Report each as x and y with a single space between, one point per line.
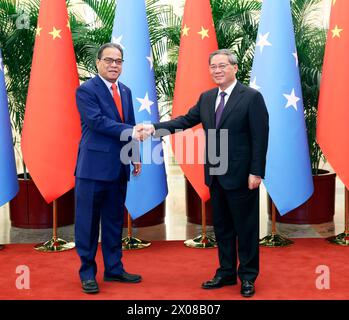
109 45
231 57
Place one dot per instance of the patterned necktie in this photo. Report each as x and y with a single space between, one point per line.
117 101
220 108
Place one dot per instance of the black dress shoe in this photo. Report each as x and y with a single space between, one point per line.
124 277
247 288
218 282
90 286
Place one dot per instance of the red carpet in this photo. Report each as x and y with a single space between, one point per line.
173 272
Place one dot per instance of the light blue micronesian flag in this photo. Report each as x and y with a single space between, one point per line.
130 30
275 74
8 174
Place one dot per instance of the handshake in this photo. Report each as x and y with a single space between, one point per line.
143 131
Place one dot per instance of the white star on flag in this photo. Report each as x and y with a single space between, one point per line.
145 103
263 41
291 100
296 57
118 41
150 59
254 85
1 64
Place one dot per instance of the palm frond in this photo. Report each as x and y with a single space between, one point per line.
104 12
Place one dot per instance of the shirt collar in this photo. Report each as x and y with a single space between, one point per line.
229 89
108 83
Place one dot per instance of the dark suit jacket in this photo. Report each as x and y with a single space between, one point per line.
100 145
245 117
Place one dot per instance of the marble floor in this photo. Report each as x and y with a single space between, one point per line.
176 226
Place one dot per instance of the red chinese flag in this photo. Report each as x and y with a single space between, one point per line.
333 108
51 129
198 40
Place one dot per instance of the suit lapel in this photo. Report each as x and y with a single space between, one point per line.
212 107
233 100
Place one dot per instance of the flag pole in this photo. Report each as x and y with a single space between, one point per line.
55 244
204 240
273 239
132 243
343 238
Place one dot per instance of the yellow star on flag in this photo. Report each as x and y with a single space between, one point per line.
185 30
38 30
55 33
334 2
68 24
203 33
336 32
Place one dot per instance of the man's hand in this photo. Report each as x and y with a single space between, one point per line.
254 181
137 168
143 131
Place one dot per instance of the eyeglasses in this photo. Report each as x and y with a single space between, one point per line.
109 61
221 66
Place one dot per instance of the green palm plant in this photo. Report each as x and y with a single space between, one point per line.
17 34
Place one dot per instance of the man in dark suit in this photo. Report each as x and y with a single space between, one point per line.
106 112
240 112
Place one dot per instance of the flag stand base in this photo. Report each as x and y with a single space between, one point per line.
131 243
202 241
2 246
341 239
275 240
55 245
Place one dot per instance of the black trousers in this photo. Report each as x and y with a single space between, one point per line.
236 226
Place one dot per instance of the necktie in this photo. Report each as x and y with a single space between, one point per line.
117 101
220 108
